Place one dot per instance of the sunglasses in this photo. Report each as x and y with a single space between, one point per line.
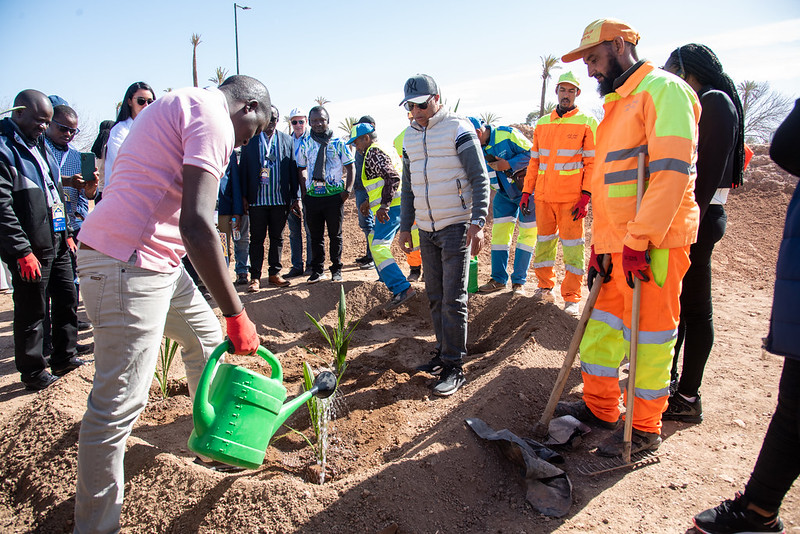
412 105
144 101
66 129
295 123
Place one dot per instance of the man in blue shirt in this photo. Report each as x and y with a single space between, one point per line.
269 177
326 175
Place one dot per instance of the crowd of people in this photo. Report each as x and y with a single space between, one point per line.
166 166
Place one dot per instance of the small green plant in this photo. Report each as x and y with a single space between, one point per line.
339 337
166 353
312 403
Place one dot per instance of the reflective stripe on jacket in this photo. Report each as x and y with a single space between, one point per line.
562 157
511 145
656 113
374 186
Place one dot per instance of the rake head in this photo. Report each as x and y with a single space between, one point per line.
600 465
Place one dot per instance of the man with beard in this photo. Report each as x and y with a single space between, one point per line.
649 111
558 177
326 176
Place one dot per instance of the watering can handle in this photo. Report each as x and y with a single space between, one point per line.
274 363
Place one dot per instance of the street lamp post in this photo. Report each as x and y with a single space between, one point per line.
236 31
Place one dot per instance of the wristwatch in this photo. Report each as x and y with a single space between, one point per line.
478 222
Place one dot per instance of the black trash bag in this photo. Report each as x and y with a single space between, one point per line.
549 489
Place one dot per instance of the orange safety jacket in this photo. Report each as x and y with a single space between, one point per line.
656 113
562 157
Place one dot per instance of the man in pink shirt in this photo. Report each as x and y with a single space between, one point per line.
158 207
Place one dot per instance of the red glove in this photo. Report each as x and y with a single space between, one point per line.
242 333
71 245
635 264
29 268
579 211
596 267
523 204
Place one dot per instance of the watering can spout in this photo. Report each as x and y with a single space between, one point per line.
324 386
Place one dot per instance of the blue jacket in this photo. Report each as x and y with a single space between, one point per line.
250 168
229 201
784 327
25 218
511 145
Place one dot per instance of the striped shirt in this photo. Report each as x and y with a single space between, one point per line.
269 189
75 202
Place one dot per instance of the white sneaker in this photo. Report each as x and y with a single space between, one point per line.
518 289
544 295
572 308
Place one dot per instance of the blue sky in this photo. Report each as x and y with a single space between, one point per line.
358 54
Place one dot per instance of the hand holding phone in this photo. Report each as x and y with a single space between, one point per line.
88 166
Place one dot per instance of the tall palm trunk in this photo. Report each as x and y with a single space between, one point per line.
195 41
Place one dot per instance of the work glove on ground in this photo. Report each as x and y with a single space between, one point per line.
242 333
29 268
596 267
635 263
523 204
579 211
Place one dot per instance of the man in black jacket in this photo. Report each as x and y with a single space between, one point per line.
35 242
269 180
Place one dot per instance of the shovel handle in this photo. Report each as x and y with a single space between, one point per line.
630 391
540 430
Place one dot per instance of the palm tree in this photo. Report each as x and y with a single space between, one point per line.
219 76
195 40
347 124
168 90
489 118
549 63
321 101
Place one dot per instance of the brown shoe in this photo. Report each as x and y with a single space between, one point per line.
253 286
491 286
278 281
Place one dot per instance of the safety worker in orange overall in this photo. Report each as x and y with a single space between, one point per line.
562 159
650 111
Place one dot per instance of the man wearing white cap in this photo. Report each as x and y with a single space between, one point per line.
298 121
562 159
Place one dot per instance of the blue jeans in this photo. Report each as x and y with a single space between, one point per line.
365 223
296 240
241 248
445 260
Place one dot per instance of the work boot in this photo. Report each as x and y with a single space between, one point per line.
433 367
681 409
278 281
544 294
640 441
573 309
400 298
518 289
414 274
582 413
450 380
492 286
733 516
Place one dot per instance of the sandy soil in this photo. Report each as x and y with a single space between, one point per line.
400 459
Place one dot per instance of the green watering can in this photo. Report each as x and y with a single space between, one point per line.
236 410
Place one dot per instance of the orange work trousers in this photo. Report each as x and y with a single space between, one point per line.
554 220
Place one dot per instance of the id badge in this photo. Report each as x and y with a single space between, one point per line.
59 219
319 188
264 175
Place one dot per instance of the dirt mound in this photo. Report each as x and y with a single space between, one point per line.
400 459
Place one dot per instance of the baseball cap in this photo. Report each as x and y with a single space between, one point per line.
358 130
600 31
296 113
419 88
569 78
476 122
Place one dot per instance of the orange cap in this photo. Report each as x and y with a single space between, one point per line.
600 31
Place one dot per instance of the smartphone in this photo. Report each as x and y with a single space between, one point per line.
88 166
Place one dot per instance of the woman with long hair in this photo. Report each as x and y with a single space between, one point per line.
720 167
138 96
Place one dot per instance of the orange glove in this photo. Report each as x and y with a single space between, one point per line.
523 204
242 333
71 245
579 211
29 268
635 264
